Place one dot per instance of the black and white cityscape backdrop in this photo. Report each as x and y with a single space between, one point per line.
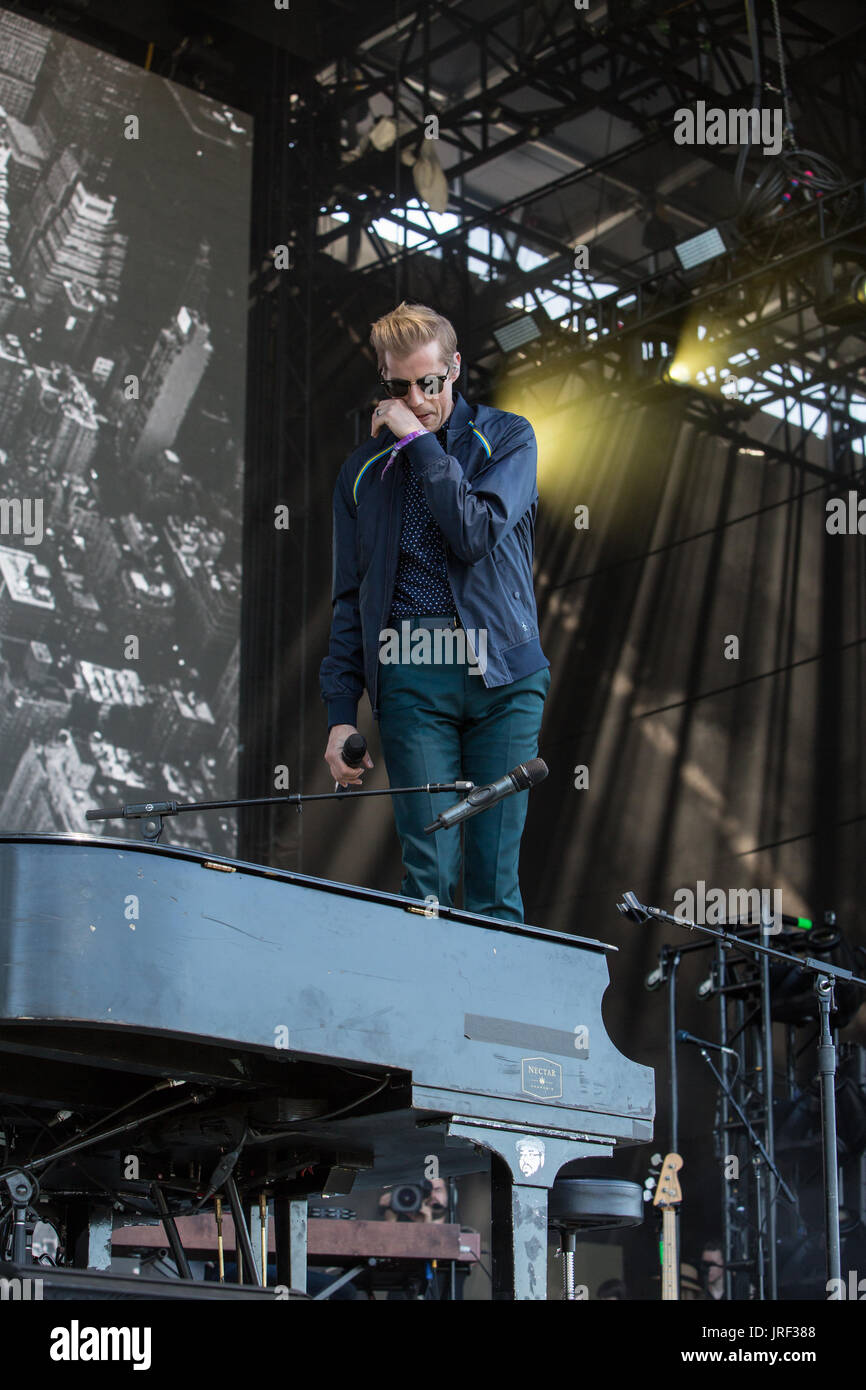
124 216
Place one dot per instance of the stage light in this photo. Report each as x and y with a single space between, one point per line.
516 333
676 372
430 182
701 362
706 246
841 282
650 356
383 133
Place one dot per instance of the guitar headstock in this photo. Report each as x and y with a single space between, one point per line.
668 1191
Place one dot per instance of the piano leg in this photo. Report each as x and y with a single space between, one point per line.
523 1169
89 1236
290 1235
259 1237
243 1244
518 1236
170 1227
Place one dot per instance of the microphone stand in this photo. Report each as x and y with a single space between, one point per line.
824 976
150 814
757 1142
770 1162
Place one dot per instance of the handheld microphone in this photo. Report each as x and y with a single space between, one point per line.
520 779
683 1036
353 750
352 753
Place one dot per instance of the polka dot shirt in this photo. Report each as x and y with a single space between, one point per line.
421 586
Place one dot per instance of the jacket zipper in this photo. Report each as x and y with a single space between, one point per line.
457 606
451 586
390 575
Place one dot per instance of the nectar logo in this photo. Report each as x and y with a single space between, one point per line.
541 1077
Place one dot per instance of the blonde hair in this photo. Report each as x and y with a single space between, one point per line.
409 327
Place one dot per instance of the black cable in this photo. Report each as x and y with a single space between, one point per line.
792 167
260 1137
6 1217
783 79
751 29
479 1261
105 1119
68 1148
31 1119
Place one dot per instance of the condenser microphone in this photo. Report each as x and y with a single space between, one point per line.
683 1036
520 779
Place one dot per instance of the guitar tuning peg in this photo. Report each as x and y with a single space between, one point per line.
650 1183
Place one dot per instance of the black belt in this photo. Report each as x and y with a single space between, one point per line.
436 620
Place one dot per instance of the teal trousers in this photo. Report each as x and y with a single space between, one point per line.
442 724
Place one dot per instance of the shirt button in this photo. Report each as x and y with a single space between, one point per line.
516 593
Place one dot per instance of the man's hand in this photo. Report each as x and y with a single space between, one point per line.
396 416
340 771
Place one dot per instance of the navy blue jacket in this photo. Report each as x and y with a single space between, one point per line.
482 492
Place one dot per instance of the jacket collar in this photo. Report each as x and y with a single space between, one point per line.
459 421
461 416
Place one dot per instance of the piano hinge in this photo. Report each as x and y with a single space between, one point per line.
548 1132
221 868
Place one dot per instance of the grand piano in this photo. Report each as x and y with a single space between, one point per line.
176 1027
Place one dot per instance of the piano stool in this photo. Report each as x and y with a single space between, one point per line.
576 1204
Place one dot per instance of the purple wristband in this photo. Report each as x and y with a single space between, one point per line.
407 438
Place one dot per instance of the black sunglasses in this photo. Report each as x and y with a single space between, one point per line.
431 385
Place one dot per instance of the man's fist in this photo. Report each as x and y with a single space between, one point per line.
396 416
340 771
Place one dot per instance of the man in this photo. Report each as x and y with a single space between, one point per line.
713 1269
612 1291
433 539
433 1208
